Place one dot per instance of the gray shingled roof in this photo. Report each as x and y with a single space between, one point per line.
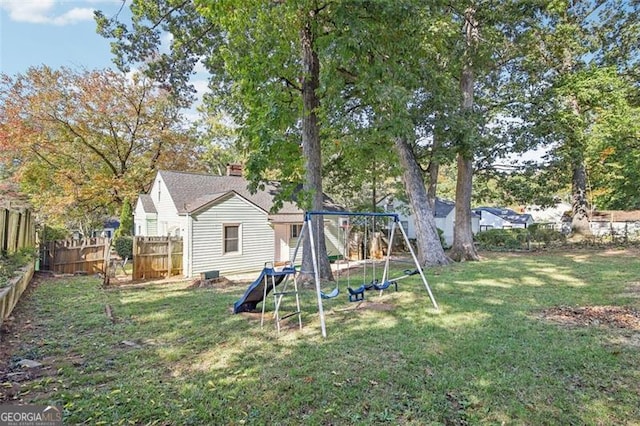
147 203
443 207
506 214
191 191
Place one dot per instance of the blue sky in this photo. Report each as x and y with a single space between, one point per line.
61 33
54 33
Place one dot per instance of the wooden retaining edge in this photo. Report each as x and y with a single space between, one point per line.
10 295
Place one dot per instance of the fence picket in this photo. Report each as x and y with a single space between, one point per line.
156 257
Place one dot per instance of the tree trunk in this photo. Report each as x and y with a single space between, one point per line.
311 151
463 248
434 168
580 206
430 251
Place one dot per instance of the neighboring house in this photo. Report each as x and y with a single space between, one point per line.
444 214
549 215
224 227
625 224
502 218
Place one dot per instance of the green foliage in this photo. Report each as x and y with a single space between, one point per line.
53 233
518 238
126 220
124 246
502 239
542 234
580 105
11 263
441 236
106 136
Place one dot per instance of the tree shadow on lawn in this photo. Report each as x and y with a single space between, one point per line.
487 356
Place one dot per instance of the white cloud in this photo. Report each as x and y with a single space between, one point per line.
54 12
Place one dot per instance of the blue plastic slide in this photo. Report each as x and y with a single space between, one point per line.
255 292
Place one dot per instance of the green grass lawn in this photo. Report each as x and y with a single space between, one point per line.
489 356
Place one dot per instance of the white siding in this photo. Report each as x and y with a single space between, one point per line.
475 224
333 236
168 218
490 221
619 228
256 238
446 225
140 220
145 223
152 227
281 245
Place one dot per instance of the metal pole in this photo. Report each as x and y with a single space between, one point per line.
415 259
316 274
386 263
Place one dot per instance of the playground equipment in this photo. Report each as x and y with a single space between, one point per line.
358 293
267 281
271 277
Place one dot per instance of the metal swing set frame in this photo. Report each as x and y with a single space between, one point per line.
307 229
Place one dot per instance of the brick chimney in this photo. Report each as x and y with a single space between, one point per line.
234 169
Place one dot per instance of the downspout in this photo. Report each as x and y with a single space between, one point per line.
186 260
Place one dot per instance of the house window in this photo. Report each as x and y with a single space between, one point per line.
296 230
231 238
159 190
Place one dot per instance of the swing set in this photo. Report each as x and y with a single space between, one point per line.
357 294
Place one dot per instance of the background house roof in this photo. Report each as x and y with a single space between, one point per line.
443 207
506 214
191 191
147 203
206 199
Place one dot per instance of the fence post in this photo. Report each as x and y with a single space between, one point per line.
134 259
170 262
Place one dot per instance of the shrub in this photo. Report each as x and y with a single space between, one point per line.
543 234
9 264
50 233
124 246
508 239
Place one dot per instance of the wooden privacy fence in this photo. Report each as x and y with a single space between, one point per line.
17 231
17 228
88 255
156 257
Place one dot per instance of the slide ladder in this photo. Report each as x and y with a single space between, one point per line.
279 295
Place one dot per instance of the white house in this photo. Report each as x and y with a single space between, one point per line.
224 227
444 215
502 218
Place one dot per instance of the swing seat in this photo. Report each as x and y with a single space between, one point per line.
409 272
356 294
334 293
385 285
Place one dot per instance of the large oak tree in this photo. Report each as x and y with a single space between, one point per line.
81 143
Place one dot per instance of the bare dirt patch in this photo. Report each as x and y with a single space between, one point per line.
622 317
632 290
211 283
